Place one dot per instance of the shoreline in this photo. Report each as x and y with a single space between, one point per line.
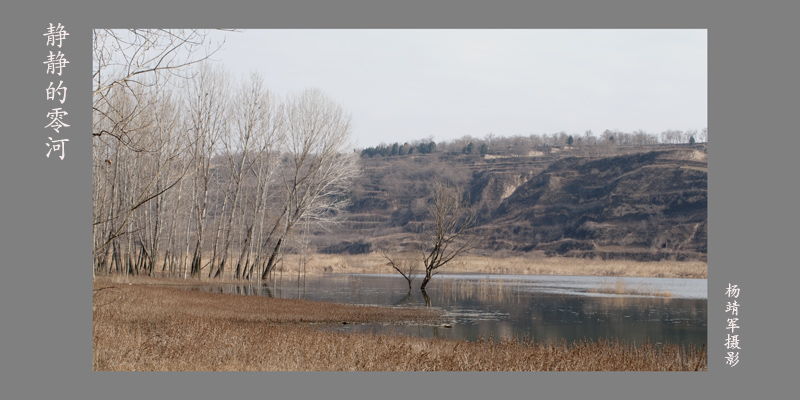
534 264
528 264
139 326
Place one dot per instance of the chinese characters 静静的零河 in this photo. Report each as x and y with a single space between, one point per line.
56 62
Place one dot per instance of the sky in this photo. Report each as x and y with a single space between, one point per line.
405 85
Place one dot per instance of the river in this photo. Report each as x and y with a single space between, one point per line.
506 306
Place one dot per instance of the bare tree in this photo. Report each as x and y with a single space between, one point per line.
264 170
451 231
255 170
703 135
671 136
208 111
404 263
130 68
252 156
589 139
130 59
126 180
163 167
251 118
319 166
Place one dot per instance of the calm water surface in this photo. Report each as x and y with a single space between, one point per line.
541 307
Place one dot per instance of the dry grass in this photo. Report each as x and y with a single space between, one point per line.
620 287
165 301
517 265
701 169
483 290
320 264
140 327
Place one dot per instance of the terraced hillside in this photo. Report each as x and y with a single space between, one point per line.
647 204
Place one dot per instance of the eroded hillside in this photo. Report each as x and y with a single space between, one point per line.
644 205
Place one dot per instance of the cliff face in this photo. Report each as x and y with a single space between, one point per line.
642 206
647 205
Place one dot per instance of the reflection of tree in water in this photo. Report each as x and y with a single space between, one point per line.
511 310
407 299
427 301
252 290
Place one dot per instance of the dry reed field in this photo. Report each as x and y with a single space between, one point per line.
620 287
138 325
516 265
374 263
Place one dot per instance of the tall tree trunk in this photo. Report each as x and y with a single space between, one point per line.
424 281
272 259
242 254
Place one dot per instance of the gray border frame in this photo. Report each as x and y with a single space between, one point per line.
46 203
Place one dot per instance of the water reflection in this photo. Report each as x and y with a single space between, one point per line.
544 308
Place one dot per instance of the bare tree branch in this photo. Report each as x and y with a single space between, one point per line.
403 263
451 231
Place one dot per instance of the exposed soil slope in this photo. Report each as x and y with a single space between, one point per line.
642 206
648 204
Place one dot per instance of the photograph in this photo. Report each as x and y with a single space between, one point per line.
362 200
397 199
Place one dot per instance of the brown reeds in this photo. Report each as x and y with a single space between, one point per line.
535 264
485 289
138 327
621 287
519 265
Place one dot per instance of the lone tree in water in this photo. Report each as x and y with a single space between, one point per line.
405 263
451 231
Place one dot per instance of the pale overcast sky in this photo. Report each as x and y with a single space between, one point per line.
402 85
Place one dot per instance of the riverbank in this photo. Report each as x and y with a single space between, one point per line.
528 264
141 324
533 264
